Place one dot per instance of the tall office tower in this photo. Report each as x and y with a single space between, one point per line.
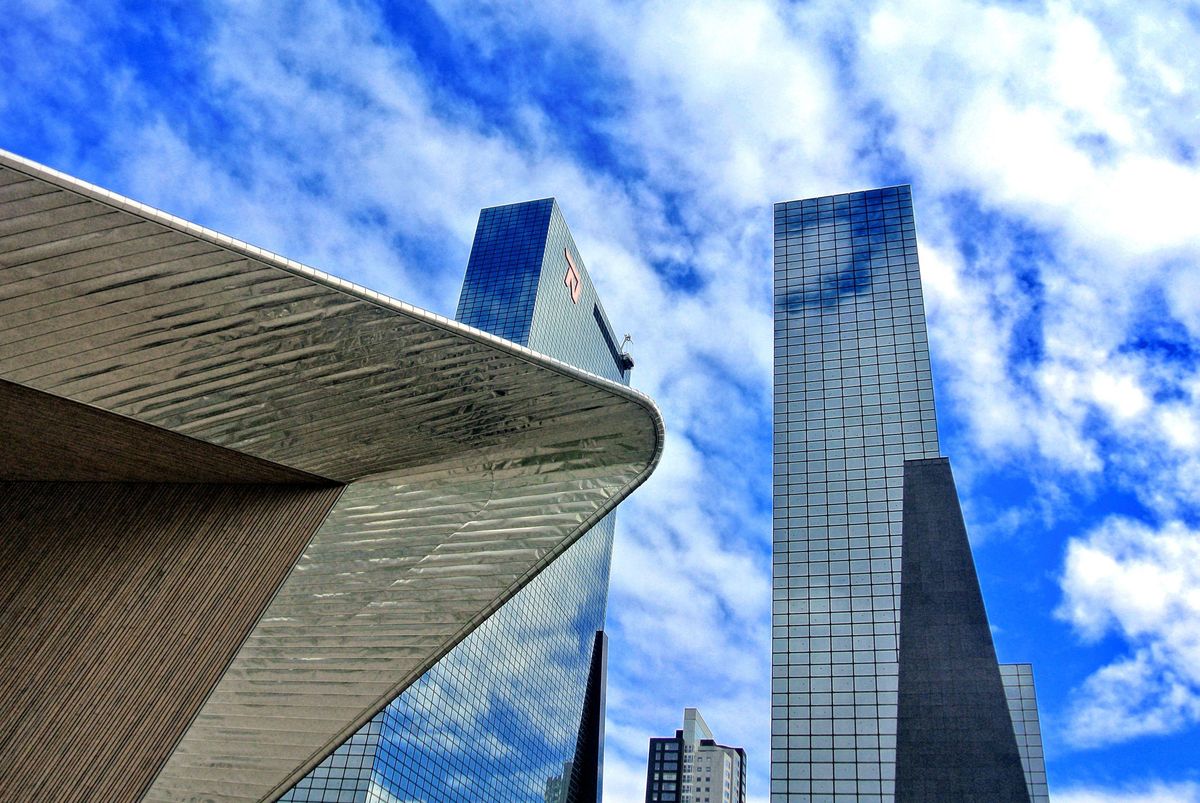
515 711
690 767
884 678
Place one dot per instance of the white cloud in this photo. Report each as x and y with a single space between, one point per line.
1180 426
1033 111
1152 792
1030 109
1144 585
1120 395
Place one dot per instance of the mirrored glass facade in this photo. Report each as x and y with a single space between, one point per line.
854 416
527 282
501 286
1022 707
498 717
853 401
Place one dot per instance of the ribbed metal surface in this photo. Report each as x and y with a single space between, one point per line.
120 605
163 326
396 573
472 462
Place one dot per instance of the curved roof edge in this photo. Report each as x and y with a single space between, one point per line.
153 214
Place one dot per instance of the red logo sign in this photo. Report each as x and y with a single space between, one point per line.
572 280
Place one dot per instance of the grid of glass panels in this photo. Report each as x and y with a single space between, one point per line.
1022 707
515 288
501 286
344 777
498 717
853 401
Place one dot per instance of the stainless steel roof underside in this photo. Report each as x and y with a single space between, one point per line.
470 462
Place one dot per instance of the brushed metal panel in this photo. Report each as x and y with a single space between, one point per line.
17 186
31 212
393 578
472 462
119 231
154 248
154 350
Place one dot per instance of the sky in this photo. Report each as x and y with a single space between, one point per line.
1052 151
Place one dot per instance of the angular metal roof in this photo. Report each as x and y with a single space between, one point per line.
469 462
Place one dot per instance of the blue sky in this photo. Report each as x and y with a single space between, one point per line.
1052 150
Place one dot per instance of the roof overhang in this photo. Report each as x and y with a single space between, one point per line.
469 462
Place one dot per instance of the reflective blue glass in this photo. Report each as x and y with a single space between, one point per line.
853 401
502 274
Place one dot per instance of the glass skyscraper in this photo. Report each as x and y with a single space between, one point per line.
854 428
515 710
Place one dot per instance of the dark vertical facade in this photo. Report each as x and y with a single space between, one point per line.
853 404
515 710
587 770
955 736
664 769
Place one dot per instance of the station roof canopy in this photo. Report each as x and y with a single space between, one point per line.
137 347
